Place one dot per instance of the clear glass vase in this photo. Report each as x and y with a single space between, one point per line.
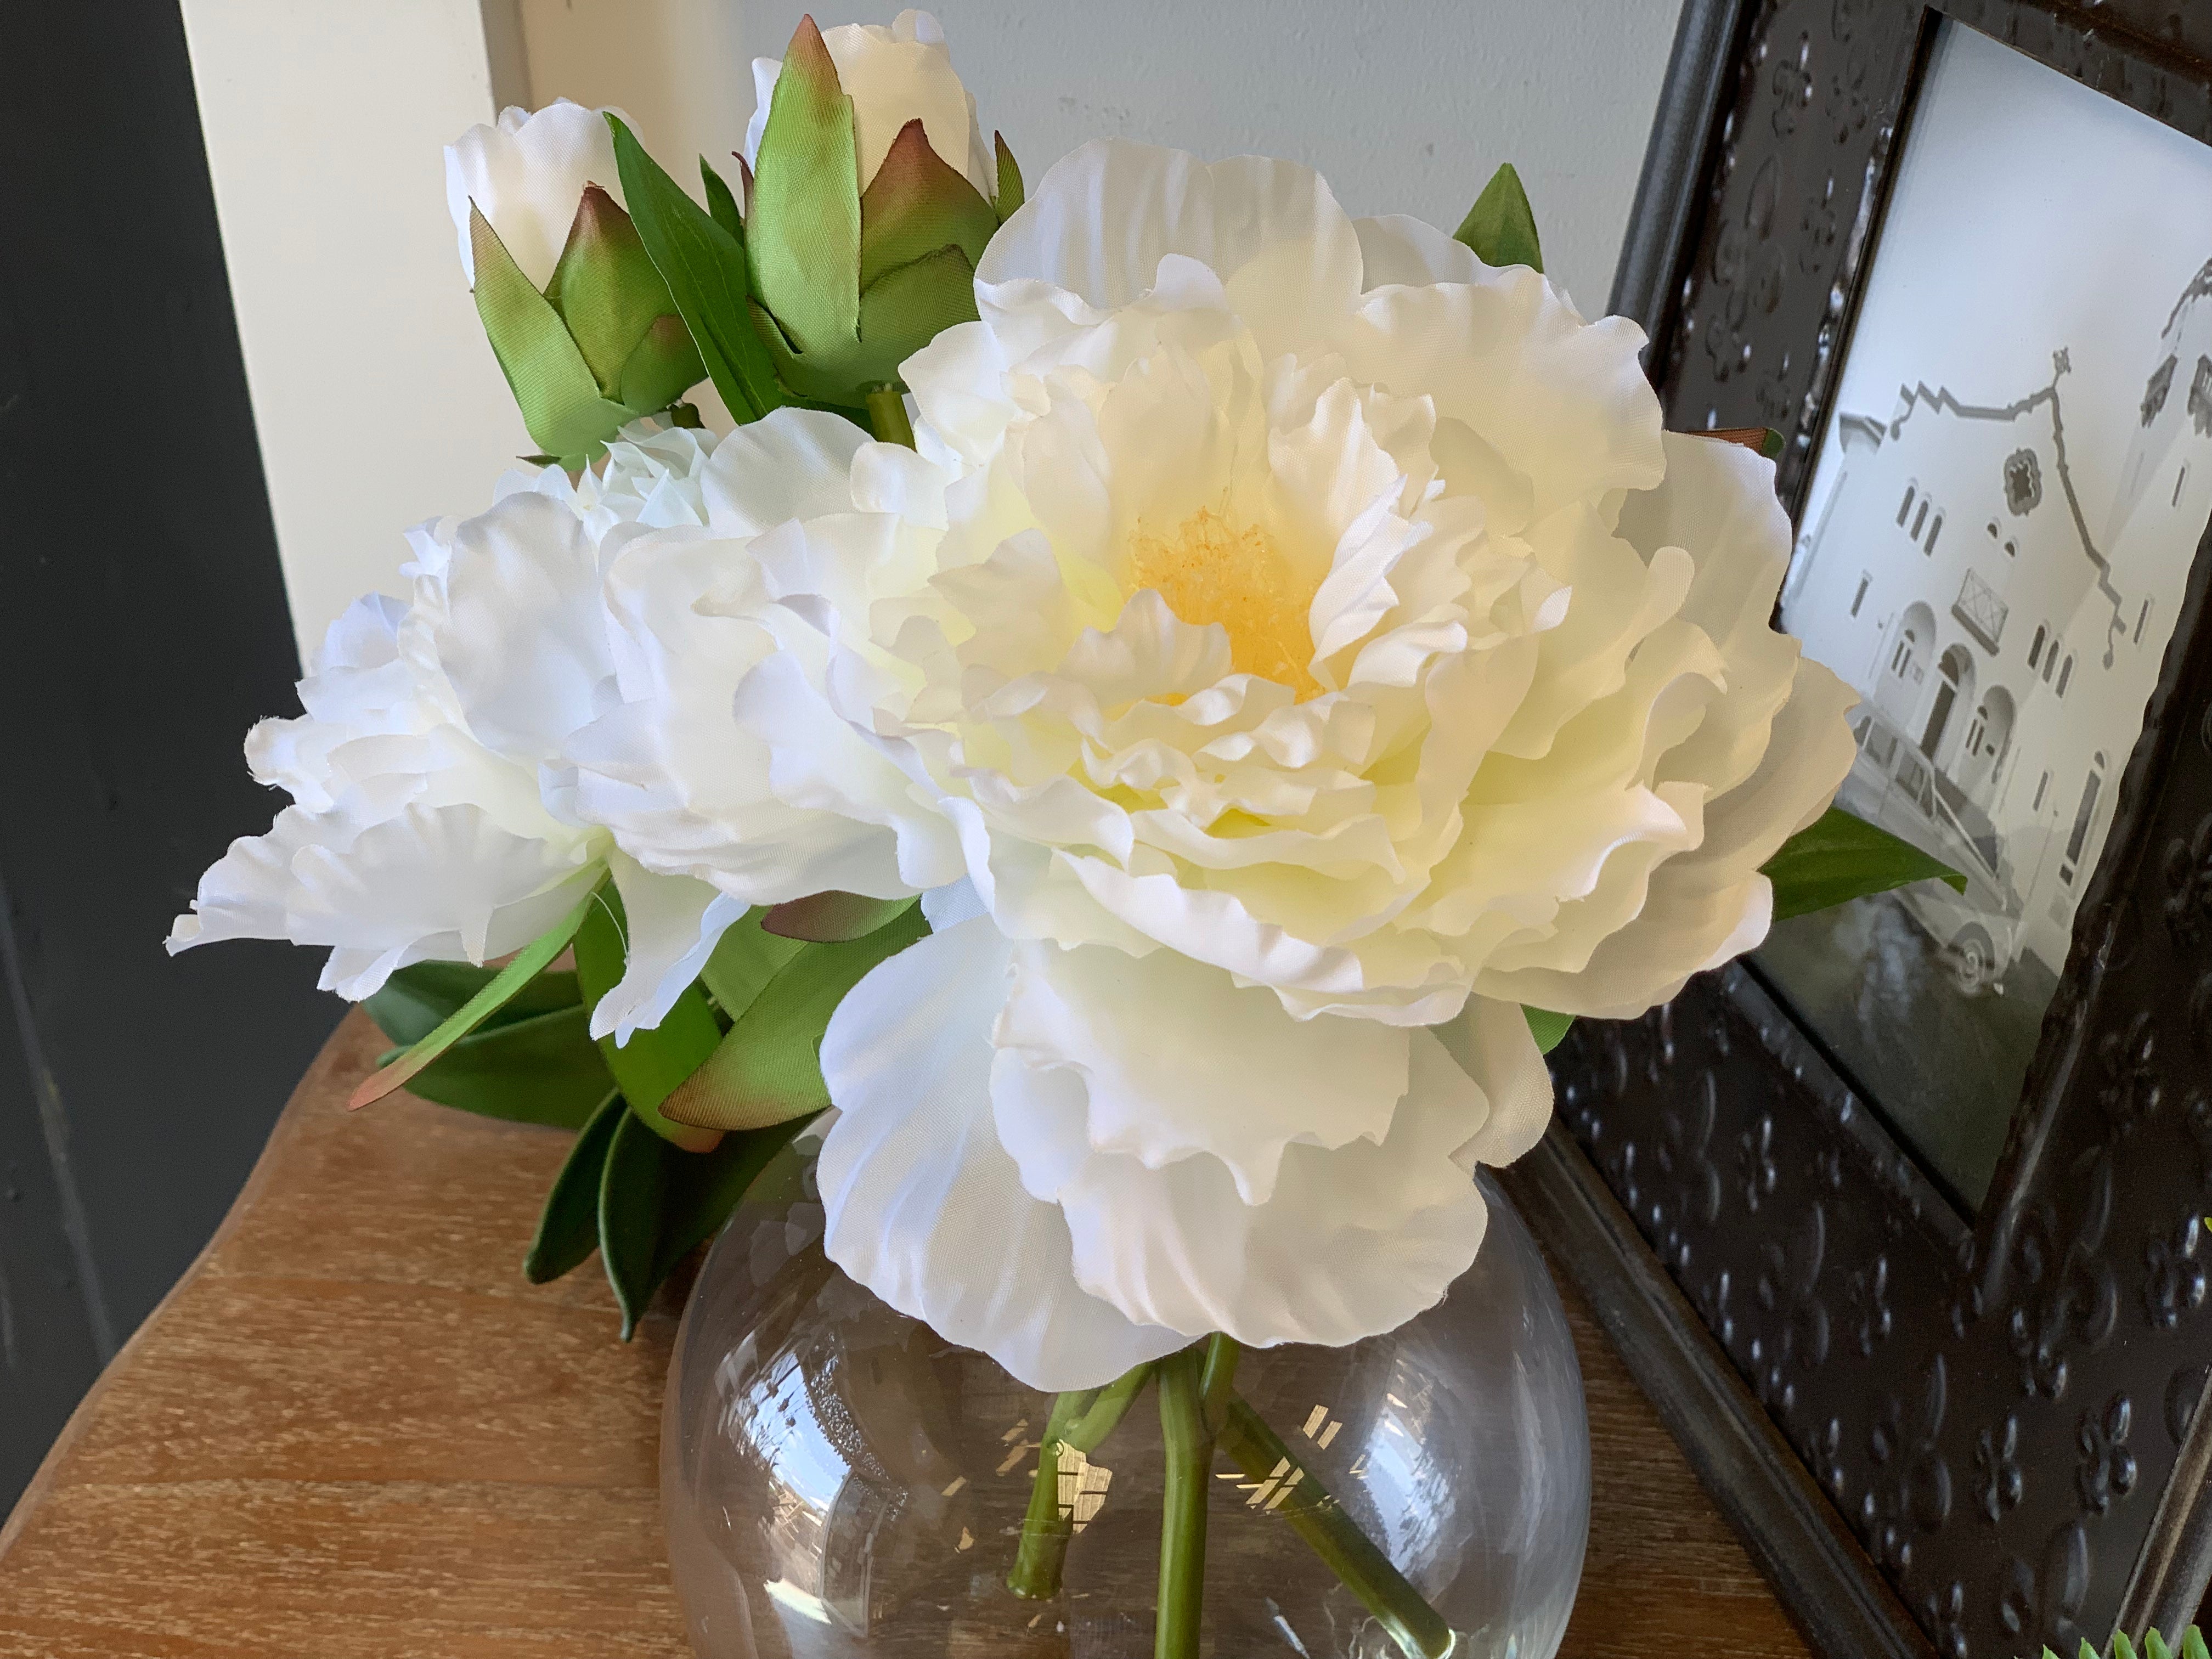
840 1481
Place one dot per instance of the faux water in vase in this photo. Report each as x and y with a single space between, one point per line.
838 1480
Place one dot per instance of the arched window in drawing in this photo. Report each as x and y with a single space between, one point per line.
1904 507
1920 519
2035 646
1934 530
2065 675
1904 665
1954 685
1989 740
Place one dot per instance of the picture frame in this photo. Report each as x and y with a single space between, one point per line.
1968 1428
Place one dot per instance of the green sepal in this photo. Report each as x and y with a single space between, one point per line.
1501 227
2192 1645
421 997
746 958
502 988
656 1060
917 203
1549 1030
2121 1648
658 1203
2154 1647
607 292
1839 857
664 365
908 306
544 1069
721 203
553 385
804 230
568 1226
704 264
769 1069
834 918
1011 195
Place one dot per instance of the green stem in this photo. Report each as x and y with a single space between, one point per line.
1081 1423
1045 1529
887 416
1218 1380
1189 1448
1332 1534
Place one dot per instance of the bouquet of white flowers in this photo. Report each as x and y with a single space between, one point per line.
1165 703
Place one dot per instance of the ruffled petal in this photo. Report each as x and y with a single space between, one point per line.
923 1206
526 174
1354 1241
1175 1058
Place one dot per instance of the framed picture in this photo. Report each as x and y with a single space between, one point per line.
1902 1220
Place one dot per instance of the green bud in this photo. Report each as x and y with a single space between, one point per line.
599 348
848 285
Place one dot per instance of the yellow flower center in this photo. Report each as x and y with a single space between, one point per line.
1210 571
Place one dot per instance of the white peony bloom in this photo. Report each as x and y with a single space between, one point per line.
433 816
652 475
1295 647
526 173
894 75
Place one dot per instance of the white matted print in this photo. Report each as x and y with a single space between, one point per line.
2009 496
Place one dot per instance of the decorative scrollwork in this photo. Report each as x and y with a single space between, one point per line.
2108 1467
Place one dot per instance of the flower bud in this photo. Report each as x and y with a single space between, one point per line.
869 198
584 327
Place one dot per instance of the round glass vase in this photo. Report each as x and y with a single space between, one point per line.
840 1481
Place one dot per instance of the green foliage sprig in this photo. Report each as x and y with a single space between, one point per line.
2154 1646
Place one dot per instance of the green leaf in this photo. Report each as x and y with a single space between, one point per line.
703 1191
1549 1028
804 231
544 1069
704 264
917 203
1840 857
2192 1645
631 1186
606 289
721 204
2155 1646
650 1065
1501 227
553 385
2121 1647
745 959
568 1226
658 1203
769 1068
527 964
419 998
834 918
1010 194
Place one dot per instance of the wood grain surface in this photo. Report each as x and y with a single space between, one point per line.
352 1432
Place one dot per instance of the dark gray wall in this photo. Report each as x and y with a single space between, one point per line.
142 627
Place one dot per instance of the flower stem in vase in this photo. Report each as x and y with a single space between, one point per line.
1189 1447
1079 1423
1332 1534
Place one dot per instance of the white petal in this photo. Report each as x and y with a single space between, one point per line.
1355 1241
674 924
923 1205
1493 1044
524 636
526 175
1397 248
1175 1060
792 463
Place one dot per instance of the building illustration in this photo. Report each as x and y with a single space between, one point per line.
2004 632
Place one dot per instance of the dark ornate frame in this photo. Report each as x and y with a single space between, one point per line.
1980 1433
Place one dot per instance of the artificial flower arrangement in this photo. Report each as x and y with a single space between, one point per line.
1165 702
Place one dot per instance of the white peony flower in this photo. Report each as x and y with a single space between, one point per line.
1295 647
894 75
526 173
432 814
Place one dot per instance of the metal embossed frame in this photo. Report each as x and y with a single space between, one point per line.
1973 1433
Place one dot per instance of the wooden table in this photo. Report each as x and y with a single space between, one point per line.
352 1429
